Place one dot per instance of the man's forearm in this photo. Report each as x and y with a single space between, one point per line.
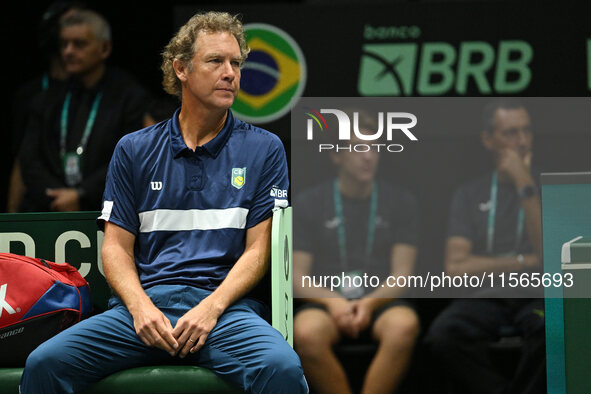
243 277
122 276
248 270
474 264
151 326
532 209
383 293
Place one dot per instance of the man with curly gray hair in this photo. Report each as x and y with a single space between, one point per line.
182 46
187 213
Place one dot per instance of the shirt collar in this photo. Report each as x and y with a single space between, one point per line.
212 147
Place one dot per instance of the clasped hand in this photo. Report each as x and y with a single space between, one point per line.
188 335
351 317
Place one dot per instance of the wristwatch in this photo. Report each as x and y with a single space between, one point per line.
527 191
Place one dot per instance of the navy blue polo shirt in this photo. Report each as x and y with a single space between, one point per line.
189 210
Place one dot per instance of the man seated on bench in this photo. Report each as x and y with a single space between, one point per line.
187 215
352 226
495 227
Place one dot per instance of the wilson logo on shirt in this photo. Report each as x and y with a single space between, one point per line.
238 177
156 185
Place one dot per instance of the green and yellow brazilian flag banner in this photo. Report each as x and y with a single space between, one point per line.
273 76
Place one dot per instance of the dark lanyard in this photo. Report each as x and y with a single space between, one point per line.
338 207
492 212
87 128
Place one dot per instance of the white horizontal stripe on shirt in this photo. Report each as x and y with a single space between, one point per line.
192 219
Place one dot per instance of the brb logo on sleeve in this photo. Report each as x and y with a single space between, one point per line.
273 76
388 123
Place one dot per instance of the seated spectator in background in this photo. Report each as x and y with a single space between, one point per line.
494 226
53 74
355 225
74 127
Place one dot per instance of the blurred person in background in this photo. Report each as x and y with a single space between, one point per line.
494 227
355 225
53 74
74 127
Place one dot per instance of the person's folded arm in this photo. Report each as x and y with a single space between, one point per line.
459 260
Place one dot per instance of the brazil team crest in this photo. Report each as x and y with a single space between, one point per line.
273 76
238 177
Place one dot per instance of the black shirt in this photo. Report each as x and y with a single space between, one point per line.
470 212
121 111
316 228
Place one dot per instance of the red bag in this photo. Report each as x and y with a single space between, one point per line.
38 299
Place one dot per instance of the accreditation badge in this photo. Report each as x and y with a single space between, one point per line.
72 170
352 285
